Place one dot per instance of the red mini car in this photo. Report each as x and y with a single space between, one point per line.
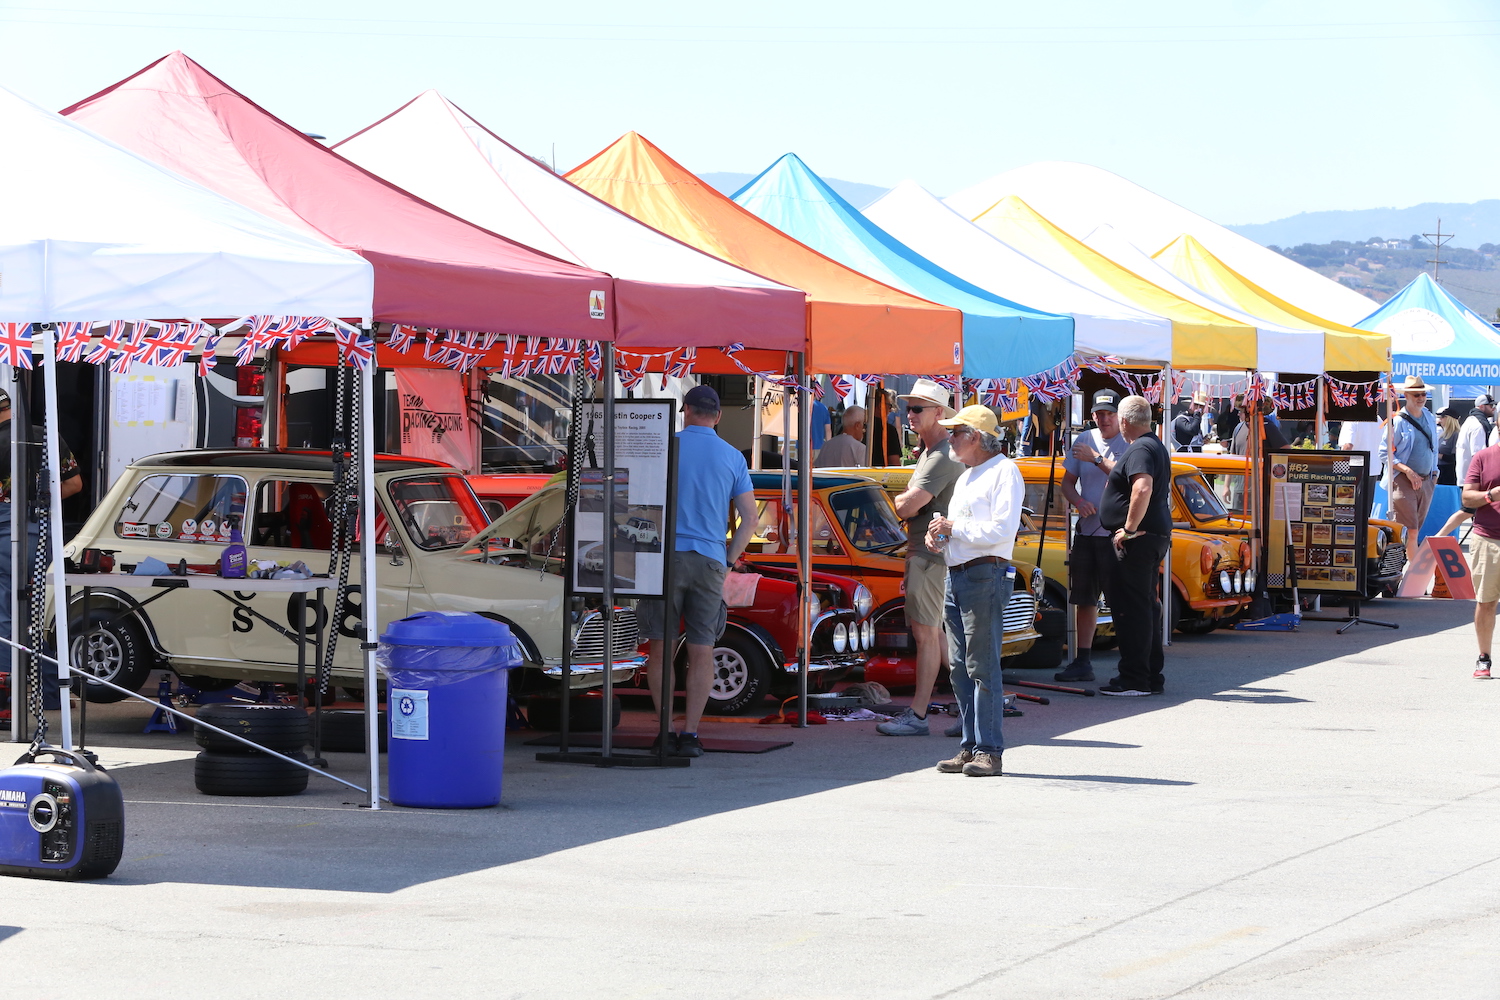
499 493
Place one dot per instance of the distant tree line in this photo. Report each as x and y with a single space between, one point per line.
1379 253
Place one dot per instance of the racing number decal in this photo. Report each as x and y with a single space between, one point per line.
244 621
351 625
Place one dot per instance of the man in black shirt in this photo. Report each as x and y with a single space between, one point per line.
1136 508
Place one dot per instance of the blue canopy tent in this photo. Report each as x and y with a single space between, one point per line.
1445 342
1002 339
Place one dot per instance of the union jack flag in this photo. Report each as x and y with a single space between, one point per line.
464 349
1100 362
72 338
402 337
560 355
169 345
593 359
355 345
630 377
210 348
112 341
1002 394
680 364
302 328
134 347
254 338
949 382
15 344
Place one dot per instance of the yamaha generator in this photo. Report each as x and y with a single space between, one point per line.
62 820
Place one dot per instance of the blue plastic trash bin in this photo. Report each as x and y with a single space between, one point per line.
447 680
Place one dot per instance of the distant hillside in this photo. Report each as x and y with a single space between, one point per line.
1380 268
1470 225
858 195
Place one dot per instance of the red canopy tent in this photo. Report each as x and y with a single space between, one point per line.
431 268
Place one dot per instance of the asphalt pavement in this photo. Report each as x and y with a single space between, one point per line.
1301 814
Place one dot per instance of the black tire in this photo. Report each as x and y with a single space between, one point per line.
1194 623
585 713
248 774
344 731
1053 623
203 682
1045 654
741 675
283 728
114 648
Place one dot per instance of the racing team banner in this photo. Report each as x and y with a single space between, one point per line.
643 447
1319 500
433 417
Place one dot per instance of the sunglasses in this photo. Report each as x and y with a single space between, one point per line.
917 409
960 431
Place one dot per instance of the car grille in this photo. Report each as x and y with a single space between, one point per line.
588 641
1394 559
1020 613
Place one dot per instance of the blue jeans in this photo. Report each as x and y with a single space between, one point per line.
974 605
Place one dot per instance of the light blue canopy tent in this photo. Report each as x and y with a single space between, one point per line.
1436 336
1002 339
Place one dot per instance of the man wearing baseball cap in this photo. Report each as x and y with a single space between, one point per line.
1474 435
928 492
976 538
711 476
1091 562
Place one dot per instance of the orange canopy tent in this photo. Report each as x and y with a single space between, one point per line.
855 324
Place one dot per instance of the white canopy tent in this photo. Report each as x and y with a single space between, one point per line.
1080 198
104 235
1102 325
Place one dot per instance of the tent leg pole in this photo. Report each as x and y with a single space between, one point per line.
606 732
370 595
804 544
55 540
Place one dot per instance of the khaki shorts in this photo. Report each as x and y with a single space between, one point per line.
1409 506
697 598
925 581
1484 563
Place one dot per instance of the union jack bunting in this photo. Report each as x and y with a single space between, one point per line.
843 384
516 365
72 338
1100 363
210 348
1256 390
784 381
402 337
1001 393
631 377
559 356
15 344
303 328
355 345
680 365
112 341
593 360
134 347
254 338
949 382
169 345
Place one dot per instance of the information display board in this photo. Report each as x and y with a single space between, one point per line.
1320 516
643 446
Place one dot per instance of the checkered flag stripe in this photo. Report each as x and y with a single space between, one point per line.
1342 466
1343 515
1276 579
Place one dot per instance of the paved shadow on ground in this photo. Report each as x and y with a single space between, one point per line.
319 840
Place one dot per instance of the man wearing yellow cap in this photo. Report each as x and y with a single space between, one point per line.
976 538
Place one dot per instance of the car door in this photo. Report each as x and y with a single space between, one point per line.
291 523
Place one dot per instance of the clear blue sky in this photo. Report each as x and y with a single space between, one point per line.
1244 111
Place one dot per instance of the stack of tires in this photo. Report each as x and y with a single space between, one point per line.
228 767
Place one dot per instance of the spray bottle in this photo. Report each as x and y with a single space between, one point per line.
235 560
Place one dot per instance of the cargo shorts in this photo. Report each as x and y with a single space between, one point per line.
697 599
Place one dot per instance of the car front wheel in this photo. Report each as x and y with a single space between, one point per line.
741 675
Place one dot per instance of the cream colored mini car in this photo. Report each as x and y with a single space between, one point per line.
174 507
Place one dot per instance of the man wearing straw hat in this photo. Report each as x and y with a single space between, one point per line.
928 492
977 537
1413 469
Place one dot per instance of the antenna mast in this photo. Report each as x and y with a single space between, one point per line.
1437 240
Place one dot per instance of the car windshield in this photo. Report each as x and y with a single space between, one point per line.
439 512
1201 502
867 518
531 531
1229 487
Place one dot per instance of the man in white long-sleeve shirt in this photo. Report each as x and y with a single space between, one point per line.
1474 435
977 537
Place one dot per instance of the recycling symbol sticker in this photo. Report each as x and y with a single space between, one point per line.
409 721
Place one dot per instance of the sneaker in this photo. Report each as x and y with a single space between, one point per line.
1075 671
1482 669
1158 684
688 745
1119 691
905 724
671 743
956 763
957 729
984 765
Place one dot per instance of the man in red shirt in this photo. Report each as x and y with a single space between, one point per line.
1480 493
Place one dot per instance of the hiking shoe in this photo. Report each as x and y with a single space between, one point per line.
1075 671
1482 669
956 763
671 743
905 724
984 765
1119 691
688 745
1158 684
957 729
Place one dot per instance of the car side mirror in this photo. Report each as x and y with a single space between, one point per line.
392 543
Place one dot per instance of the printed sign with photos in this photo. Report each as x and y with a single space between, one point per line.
638 516
1320 515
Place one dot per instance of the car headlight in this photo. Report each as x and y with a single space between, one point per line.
1225 583
864 601
853 638
1239 581
1249 581
1038 583
840 638
814 606
868 631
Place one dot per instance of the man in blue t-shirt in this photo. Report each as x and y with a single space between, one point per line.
711 475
